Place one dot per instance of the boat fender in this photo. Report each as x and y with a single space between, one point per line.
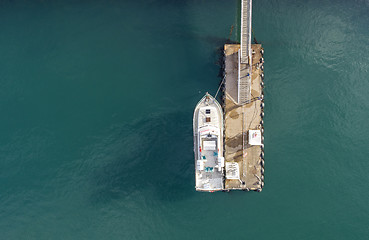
262 122
262 114
262 105
262 170
262 51
262 67
258 190
262 75
262 155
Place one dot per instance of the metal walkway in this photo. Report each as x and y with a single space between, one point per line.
246 10
245 54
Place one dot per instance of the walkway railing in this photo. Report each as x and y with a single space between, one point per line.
246 11
245 54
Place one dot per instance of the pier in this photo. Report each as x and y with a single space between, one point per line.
243 103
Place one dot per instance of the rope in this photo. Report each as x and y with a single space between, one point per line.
250 101
254 36
219 87
254 99
254 113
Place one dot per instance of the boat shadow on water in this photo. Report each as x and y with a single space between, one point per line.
151 157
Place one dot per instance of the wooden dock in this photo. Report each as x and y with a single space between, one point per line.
239 118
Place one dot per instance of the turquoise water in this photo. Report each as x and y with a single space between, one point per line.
96 125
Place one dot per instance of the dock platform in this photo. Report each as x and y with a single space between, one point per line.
244 162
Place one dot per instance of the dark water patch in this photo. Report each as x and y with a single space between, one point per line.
149 157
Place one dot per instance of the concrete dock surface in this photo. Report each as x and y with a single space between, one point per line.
240 118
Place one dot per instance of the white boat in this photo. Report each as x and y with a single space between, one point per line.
208 144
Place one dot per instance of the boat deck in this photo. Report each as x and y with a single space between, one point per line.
211 177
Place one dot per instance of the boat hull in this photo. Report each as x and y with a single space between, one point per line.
208 145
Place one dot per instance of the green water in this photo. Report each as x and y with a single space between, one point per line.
96 125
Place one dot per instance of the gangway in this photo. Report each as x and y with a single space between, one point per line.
245 54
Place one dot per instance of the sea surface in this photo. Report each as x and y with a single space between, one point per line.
97 98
